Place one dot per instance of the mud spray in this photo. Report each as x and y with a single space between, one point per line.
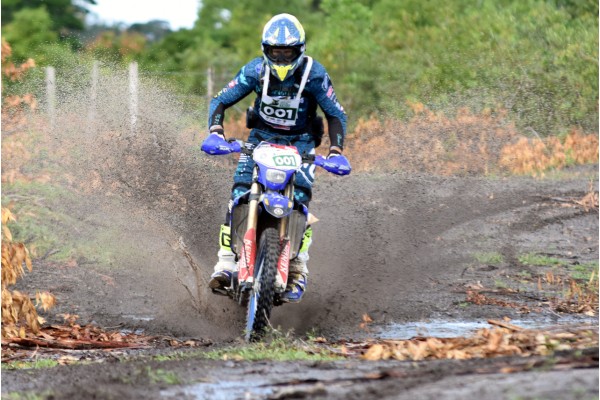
145 195
385 244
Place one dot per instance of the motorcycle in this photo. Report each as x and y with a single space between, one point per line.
267 224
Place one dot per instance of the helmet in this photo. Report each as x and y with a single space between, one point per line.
283 45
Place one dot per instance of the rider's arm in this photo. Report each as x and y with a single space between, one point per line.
238 88
322 88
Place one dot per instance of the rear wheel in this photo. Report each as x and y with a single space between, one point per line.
260 302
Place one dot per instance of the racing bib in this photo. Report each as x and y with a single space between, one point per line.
282 111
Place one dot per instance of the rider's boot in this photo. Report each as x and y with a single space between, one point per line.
226 266
298 271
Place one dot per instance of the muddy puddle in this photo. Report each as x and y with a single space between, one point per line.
235 381
223 390
448 329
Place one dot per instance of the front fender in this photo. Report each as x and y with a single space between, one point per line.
277 204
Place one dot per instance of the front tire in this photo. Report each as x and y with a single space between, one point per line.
260 302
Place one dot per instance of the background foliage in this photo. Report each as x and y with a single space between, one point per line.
535 59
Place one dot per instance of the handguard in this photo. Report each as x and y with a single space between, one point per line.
336 164
215 145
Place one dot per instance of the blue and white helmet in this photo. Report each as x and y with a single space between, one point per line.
283 45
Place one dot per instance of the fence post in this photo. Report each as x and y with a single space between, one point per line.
133 96
209 83
93 96
51 96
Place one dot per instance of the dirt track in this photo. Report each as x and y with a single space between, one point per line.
400 249
397 247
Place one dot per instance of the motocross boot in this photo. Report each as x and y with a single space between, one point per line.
226 266
298 272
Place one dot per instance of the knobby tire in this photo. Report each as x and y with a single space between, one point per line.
261 301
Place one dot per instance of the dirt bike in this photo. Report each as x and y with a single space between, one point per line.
267 224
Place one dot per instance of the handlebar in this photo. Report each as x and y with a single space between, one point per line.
216 145
306 158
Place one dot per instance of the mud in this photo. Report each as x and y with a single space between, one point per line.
401 248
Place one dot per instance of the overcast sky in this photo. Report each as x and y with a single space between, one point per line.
179 13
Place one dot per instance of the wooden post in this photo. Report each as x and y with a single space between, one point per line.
51 96
133 96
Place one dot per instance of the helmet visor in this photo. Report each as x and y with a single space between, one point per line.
282 55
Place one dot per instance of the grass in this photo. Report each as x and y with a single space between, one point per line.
489 258
55 224
281 348
500 284
37 364
42 224
160 376
28 395
178 355
275 346
539 260
525 275
584 271
154 376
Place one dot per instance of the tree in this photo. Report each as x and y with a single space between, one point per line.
29 31
153 30
66 15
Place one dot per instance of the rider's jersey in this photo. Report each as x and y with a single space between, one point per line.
280 109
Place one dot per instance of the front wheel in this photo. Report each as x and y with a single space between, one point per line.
260 302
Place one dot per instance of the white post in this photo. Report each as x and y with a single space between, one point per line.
51 95
93 96
133 95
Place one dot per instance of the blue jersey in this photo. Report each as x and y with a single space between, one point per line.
317 92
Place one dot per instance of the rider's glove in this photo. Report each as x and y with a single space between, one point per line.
218 129
334 151
216 144
335 162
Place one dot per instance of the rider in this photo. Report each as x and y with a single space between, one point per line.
280 115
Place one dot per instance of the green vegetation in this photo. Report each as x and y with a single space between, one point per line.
539 260
275 346
28 395
278 349
489 258
536 60
161 376
36 216
47 219
37 364
500 284
525 275
584 271
154 376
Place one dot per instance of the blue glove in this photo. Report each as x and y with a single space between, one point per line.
335 163
215 144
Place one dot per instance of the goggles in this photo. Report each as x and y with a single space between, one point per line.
282 55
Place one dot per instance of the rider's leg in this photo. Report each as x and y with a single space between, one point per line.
226 266
297 278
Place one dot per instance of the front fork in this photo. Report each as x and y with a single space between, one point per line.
283 264
248 254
